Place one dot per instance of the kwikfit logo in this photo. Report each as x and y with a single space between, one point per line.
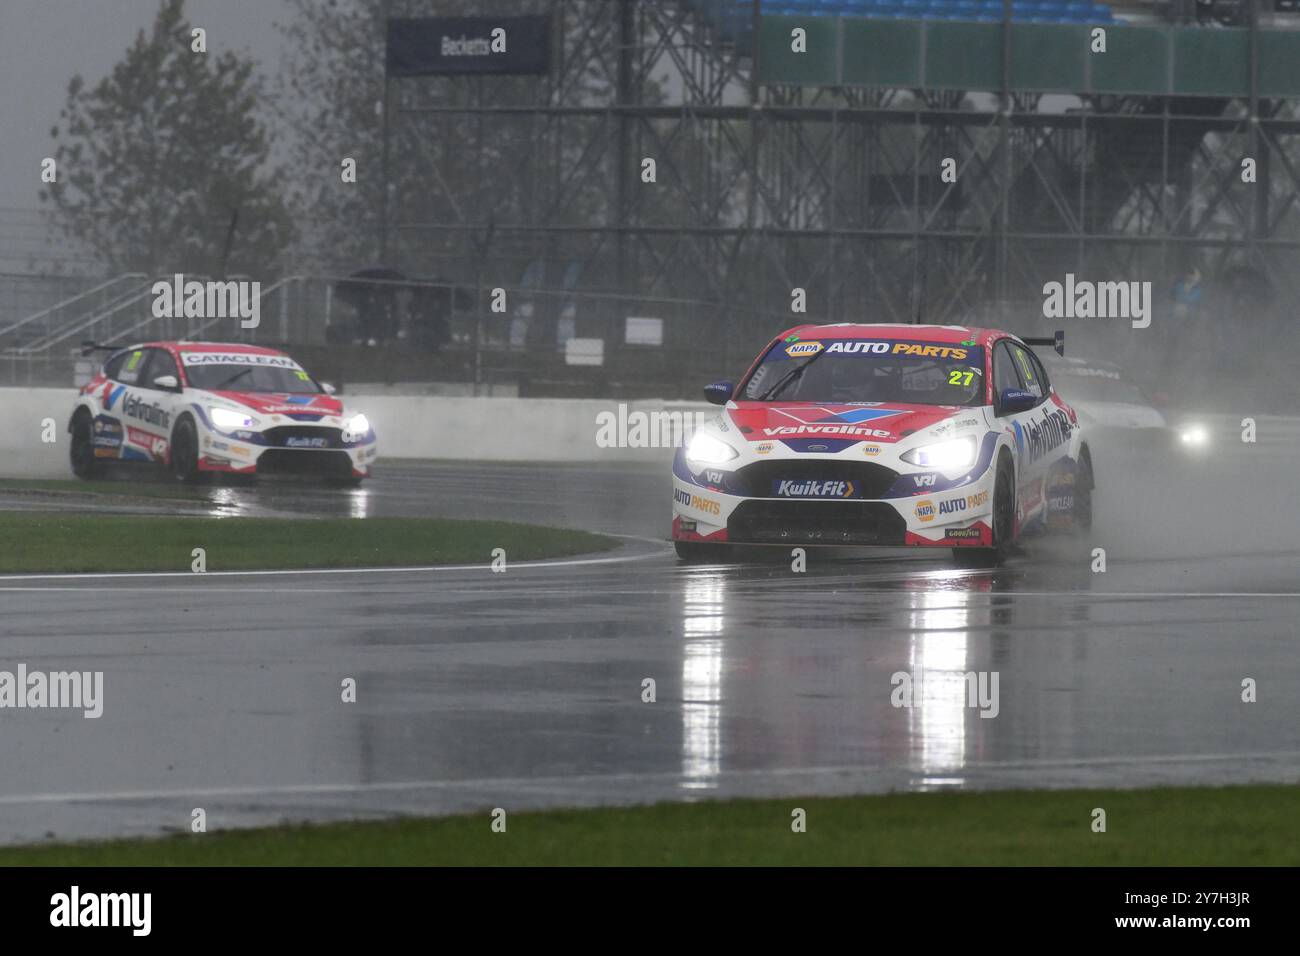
813 489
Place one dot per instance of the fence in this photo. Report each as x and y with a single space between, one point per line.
374 329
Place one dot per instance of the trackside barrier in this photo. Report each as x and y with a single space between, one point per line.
465 429
480 429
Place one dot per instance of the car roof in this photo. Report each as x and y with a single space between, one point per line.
181 345
947 334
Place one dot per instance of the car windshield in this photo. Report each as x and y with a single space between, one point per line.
868 370
285 376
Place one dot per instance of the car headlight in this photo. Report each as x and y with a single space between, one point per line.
356 428
227 420
1194 435
707 450
944 455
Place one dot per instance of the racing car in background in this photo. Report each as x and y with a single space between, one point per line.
865 435
1116 410
200 408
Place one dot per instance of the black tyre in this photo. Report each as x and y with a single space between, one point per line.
697 552
185 451
1004 523
81 452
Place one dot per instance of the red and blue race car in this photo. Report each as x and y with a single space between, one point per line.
206 407
865 435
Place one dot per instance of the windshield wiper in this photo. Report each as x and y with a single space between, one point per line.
240 374
787 378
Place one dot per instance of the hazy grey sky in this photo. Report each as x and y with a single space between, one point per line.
43 43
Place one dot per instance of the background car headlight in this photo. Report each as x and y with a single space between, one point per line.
1194 435
707 450
226 419
943 455
356 428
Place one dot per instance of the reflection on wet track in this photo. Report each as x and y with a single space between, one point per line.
525 689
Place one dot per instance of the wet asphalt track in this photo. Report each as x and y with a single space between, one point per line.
523 689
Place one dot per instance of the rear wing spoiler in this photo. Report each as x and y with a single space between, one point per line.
1057 342
89 346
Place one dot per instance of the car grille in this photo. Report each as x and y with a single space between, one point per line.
781 521
290 461
758 479
303 436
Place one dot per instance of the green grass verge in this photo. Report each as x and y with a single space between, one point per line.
74 542
1230 826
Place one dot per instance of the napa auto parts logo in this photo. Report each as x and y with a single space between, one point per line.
800 349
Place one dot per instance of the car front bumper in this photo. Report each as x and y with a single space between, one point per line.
263 453
956 517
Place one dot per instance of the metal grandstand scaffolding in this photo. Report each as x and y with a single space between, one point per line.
825 175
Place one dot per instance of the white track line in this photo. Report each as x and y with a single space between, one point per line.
116 575
631 777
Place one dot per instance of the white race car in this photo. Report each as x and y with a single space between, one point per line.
936 436
205 407
1117 412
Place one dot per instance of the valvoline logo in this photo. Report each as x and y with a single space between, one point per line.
287 403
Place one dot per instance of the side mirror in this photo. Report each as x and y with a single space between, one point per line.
168 382
1015 400
719 393
327 388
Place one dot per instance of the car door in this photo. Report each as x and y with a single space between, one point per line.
1009 373
1043 432
110 433
1055 423
148 409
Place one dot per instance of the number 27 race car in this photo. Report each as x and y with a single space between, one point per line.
867 435
204 407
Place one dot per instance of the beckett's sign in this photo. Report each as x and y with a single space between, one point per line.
441 45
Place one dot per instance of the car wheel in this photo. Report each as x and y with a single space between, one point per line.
1004 523
698 552
1083 495
185 451
81 452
